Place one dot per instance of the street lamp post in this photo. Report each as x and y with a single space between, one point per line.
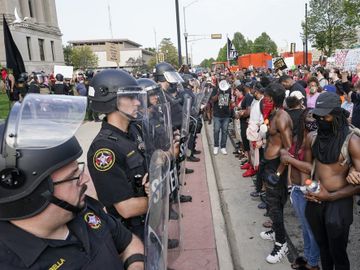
185 32
186 47
178 31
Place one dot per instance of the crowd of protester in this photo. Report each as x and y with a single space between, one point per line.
283 121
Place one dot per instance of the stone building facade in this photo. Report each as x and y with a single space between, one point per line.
35 31
131 53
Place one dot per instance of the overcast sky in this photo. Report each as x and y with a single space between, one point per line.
138 20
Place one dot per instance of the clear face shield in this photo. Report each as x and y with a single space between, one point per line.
173 77
132 102
155 95
44 121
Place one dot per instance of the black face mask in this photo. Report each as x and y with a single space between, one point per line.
325 127
173 88
311 126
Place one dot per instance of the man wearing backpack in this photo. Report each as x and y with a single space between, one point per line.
334 152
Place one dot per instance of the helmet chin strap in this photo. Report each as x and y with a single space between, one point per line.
64 205
128 116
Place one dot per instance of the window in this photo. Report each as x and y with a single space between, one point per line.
52 50
41 48
28 41
30 9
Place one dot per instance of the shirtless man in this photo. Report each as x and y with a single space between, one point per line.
275 177
330 212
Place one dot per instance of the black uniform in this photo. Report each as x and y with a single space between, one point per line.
61 88
95 241
117 165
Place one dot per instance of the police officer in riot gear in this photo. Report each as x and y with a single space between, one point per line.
60 88
42 196
116 156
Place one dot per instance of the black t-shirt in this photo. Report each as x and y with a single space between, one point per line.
95 241
245 103
222 105
355 120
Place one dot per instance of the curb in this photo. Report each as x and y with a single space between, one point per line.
223 250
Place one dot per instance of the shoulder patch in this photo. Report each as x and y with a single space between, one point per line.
103 159
92 220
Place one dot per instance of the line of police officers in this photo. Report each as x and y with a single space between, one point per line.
47 222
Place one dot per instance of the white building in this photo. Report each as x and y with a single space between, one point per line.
37 34
131 53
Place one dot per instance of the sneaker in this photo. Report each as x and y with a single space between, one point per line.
216 150
262 205
249 172
246 166
223 151
255 194
268 235
279 252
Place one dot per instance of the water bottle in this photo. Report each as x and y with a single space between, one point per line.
312 186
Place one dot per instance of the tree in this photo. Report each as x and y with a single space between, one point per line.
332 24
68 54
206 63
83 58
241 44
222 55
169 51
264 43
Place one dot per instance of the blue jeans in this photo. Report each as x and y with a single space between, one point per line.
311 249
220 124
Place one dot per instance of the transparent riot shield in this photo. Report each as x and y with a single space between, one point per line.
184 136
157 130
156 223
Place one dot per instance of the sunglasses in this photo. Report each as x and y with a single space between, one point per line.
81 168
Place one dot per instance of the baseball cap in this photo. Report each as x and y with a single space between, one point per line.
330 88
297 94
325 103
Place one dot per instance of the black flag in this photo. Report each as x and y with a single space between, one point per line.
13 55
231 52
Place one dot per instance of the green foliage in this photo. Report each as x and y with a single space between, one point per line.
222 55
206 63
68 54
332 24
83 58
170 52
241 44
4 105
263 43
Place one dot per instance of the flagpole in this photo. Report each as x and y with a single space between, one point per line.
227 50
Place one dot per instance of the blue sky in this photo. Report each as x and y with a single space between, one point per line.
138 20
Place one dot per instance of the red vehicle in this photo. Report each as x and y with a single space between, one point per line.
255 60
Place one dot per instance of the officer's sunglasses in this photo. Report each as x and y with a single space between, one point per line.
81 168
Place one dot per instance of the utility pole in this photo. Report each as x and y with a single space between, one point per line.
178 31
306 35
110 25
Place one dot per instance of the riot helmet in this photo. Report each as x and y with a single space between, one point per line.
104 87
35 142
154 93
89 74
59 77
23 77
164 72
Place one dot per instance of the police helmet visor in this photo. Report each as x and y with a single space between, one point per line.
133 103
155 95
173 77
44 121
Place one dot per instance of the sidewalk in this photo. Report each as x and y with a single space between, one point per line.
199 245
